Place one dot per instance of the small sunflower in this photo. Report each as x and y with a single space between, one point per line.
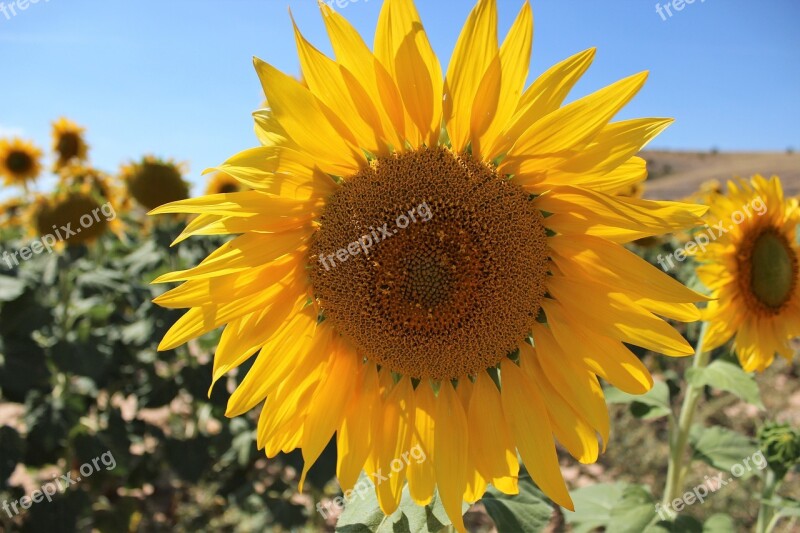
89 181
69 145
221 183
753 271
153 181
434 263
20 161
12 212
706 193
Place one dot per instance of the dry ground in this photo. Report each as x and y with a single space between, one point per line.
675 175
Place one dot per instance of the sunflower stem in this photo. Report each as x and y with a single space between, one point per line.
766 510
679 439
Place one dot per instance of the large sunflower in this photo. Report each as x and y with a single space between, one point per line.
753 271
69 146
20 161
406 242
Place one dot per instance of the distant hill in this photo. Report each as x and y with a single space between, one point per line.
675 175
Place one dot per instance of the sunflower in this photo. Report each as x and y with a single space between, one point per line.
434 265
154 181
90 182
221 183
753 272
12 212
69 146
20 161
706 193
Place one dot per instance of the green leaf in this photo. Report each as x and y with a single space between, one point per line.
10 288
727 377
719 523
618 507
362 514
527 512
681 524
11 452
653 404
725 449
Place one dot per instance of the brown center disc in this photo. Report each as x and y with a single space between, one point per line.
430 263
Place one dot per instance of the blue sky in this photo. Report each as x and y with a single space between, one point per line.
175 78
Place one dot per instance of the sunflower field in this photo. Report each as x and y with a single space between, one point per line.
431 296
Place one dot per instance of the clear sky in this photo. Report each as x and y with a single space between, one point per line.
175 78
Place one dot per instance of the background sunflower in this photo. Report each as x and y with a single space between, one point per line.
753 272
20 161
69 144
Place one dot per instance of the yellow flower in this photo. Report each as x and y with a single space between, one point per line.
706 193
20 161
85 217
69 146
221 183
12 212
390 275
753 273
91 182
153 181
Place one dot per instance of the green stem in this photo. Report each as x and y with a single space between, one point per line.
765 510
679 440
65 292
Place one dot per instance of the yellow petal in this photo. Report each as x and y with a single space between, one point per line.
614 144
475 49
402 47
500 91
293 347
247 251
569 425
618 316
615 266
200 320
495 455
421 474
450 451
529 422
327 407
280 171
222 225
577 385
570 127
398 412
544 96
603 355
295 107
344 96
353 438
241 340
226 289
596 208
354 55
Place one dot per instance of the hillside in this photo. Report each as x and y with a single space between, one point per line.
675 175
